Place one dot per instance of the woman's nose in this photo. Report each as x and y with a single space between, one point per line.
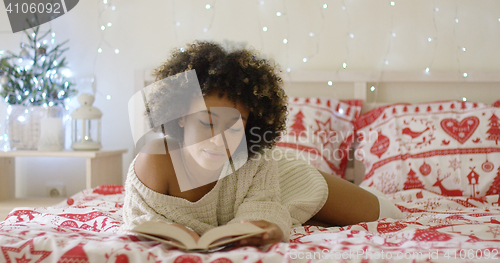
217 140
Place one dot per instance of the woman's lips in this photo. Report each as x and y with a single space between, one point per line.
213 155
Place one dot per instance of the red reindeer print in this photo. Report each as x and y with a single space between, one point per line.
445 191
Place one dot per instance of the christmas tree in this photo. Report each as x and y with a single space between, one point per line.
412 181
494 131
495 186
35 76
298 126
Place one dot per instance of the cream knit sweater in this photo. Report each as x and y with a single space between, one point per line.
275 187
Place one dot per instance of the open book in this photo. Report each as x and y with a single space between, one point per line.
216 237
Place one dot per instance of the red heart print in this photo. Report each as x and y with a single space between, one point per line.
460 131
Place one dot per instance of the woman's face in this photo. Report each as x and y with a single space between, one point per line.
213 129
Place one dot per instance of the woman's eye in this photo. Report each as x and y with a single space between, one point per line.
206 124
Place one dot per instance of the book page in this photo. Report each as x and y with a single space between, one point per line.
238 231
166 231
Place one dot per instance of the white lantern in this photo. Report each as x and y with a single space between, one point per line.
86 125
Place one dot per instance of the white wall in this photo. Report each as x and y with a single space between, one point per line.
145 32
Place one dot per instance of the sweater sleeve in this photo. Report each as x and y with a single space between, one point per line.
262 201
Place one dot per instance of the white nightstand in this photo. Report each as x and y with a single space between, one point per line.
102 167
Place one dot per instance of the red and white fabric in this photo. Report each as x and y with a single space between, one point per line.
320 131
448 147
436 228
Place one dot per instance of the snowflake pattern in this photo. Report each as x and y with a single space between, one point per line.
454 164
494 230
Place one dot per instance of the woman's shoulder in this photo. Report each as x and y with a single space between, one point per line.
153 166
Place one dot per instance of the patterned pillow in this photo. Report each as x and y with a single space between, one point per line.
448 147
320 131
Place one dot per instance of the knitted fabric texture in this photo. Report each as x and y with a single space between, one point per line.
283 191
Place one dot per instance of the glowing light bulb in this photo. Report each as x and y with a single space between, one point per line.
341 111
304 60
103 28
288 69
392 3
205 29
177 23
53 34
108 97
311 34
182 49
330 83
386 62
464 49
465 75
117 51
427 70
351 35
325 6
372 88
343 7
207 6
344 65
109 24
285 41
113 8
464 99
105 2
456 20
429 39
437 9
278 13
264 29
393 34
261 2
99 50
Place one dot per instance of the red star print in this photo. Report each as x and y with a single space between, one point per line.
325 132
17 252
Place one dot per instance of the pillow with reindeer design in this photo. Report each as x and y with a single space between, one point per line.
448 147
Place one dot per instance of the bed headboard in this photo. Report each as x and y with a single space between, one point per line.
379 88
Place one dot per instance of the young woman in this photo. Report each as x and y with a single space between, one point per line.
217 165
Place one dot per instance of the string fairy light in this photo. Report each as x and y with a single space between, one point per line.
436 10
104 26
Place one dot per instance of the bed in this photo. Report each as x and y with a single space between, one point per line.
437 161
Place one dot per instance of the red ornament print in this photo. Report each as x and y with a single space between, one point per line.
425 169
460 131
381 145
487 166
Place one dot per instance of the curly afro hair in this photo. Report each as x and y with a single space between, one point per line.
240 75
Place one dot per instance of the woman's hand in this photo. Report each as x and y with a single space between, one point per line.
272 235
189 231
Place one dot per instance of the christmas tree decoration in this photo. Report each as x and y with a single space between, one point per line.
495 186
34 77
494 131
412 181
